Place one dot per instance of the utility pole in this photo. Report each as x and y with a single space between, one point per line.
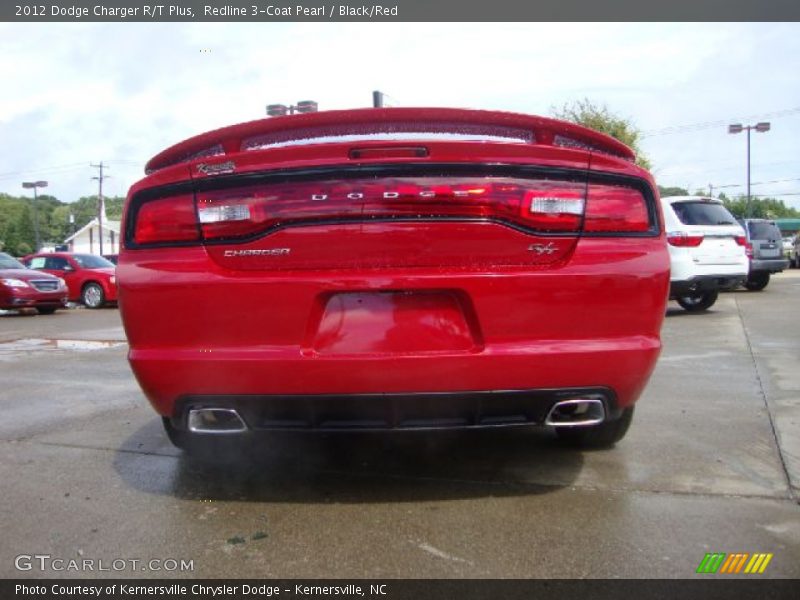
100 207
710 191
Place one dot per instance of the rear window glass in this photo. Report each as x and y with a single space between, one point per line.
389 131
760 230
703 213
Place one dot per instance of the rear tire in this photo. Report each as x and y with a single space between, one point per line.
45 310
757 281
696 303
92 295
603 435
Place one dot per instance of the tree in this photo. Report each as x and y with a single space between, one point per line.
10 239
114 207
59 226
16 218
25 230
672 191
85 209
599 117
760 208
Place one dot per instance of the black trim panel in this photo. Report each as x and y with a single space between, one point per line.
396 411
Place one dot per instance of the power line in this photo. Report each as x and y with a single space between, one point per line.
68 166
15 174
765 195
710 124
734 185
718 167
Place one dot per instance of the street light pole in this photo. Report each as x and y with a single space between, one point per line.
35 185
748 174
738 128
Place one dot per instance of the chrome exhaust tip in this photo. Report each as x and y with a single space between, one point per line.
215 420
577 412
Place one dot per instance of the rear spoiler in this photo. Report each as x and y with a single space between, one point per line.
263 133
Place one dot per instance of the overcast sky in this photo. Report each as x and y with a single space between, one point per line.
80 93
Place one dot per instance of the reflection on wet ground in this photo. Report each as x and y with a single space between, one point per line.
399 467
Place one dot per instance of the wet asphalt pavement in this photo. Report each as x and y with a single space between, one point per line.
711 464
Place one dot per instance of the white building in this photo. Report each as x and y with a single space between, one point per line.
87 239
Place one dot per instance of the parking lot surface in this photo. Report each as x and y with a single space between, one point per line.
711 464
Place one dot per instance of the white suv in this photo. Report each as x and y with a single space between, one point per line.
706 250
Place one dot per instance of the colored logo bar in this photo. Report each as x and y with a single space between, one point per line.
737 562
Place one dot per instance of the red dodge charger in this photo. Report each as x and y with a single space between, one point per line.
393 269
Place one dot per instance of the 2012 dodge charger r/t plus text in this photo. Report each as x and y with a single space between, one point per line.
393 269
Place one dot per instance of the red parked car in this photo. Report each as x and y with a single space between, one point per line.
393 269
91 279
21 287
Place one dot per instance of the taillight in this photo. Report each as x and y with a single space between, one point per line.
748 249
615 209
682 239
167 220
538 205
555 210
740 240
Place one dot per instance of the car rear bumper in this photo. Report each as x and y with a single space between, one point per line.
771 265
704 283
381 412
170 378
594 322
683 268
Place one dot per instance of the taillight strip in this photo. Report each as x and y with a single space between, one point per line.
682 239
553 214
